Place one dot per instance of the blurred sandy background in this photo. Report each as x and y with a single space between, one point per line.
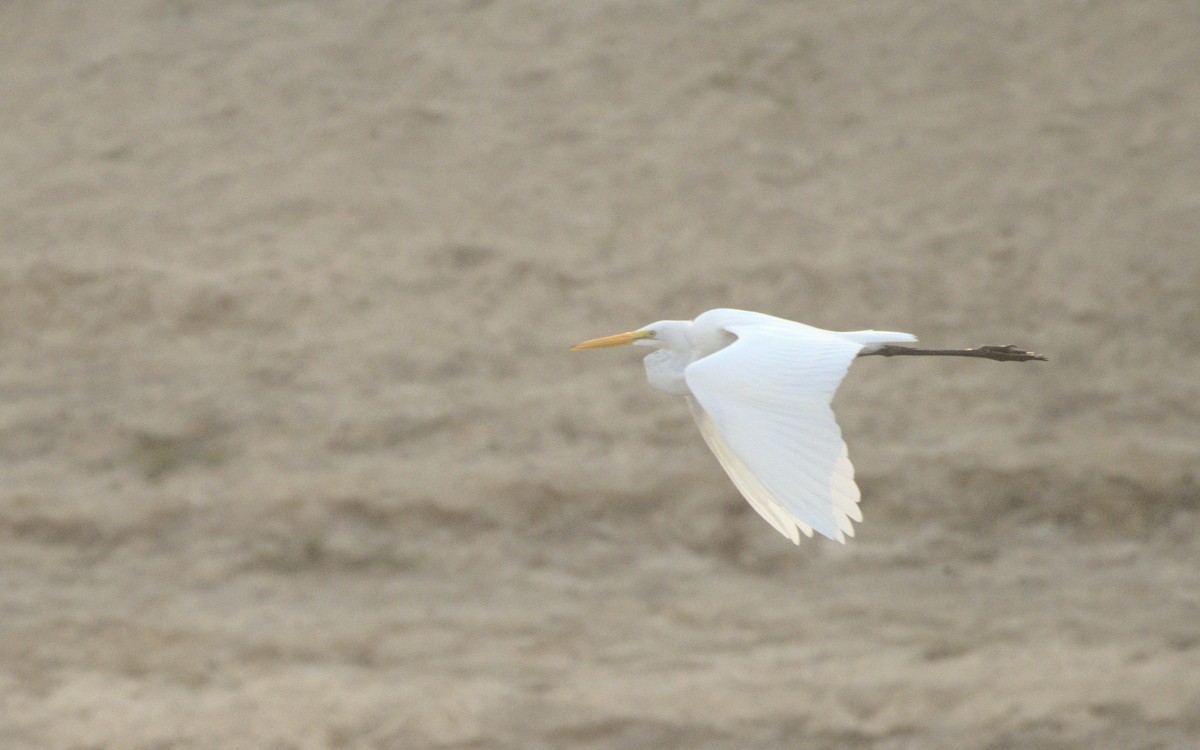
293 454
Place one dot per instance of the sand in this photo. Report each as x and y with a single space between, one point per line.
293 453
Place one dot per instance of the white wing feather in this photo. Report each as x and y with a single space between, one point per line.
758 496
763 408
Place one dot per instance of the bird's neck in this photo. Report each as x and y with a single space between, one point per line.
664 370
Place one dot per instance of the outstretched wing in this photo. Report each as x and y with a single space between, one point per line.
762 404
757 495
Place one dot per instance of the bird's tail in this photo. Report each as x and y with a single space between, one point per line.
872 340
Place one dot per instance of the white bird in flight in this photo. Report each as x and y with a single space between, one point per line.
760 389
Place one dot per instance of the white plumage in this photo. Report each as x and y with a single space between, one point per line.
760 389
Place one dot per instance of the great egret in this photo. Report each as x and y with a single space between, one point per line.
760 389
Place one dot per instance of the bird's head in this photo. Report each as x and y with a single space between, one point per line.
671 334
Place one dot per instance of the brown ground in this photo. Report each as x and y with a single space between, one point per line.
294 456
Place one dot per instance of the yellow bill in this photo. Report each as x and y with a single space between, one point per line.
621 339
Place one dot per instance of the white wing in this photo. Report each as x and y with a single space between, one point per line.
762 404
759 498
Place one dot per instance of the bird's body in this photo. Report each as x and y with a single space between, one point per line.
760 389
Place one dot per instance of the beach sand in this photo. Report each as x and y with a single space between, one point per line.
293 453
